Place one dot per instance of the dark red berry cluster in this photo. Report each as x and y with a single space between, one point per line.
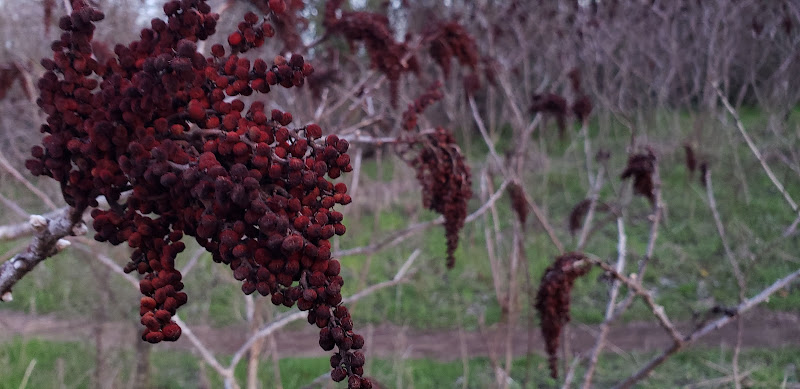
582 105
552 301
518 202
446 182
289 24
9 73
287 20
578 214
641 167
432 95
553 105
164 122
556 106
250 34
441 169
449 40
390 57
691 158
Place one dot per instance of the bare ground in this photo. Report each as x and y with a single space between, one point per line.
763 329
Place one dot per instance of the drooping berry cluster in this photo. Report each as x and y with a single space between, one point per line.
578 214
446 182
518 202
691 158
641 167
552 301
553 105
582 105
163 121
390 57
432 95
289 25
448 40
9 73
441 170
556 106
287 20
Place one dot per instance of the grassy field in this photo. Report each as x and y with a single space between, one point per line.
688 274
72 364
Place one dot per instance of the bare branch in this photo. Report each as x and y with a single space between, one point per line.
651 240
601 338
737 272
593 196
707 329
636 287
46 242
543 221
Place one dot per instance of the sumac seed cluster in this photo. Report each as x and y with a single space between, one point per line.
441 169
164 124
552 301
641 167
446 183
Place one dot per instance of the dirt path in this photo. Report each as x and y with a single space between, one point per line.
763 329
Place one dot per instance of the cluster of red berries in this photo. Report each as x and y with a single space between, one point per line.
641 167
161 120
553 105
446 182
430 96
552 301
582 105
518 202
450 39
441 169
390 57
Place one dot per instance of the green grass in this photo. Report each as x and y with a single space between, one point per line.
73 364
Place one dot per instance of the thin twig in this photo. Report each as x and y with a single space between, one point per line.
508 175
737 272
755 151
651 240
27 375
513 311
230 381
14 207
494 263
543 221
193 261
571 371
587 151
601 338
486 138
593 197
638 289
19 177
